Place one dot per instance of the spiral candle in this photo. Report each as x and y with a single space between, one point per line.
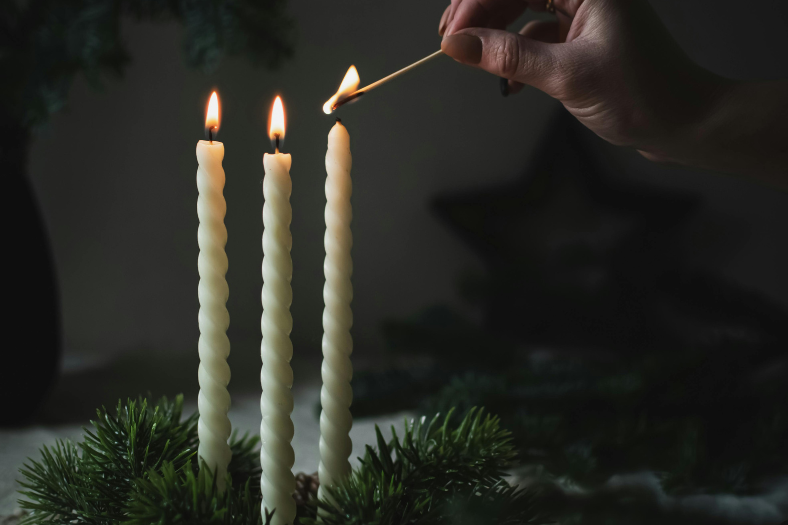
213 401
337 371
276 430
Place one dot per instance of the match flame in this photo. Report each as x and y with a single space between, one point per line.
212 113
276 129
349 85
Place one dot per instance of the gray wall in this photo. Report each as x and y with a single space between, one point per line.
115 174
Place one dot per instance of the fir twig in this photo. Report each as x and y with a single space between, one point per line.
138 464
170 497
432 476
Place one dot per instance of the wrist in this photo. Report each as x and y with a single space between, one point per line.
739 131
693 137
710 133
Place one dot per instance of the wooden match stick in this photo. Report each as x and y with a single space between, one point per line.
359 92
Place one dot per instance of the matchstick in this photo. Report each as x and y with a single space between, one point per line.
359 92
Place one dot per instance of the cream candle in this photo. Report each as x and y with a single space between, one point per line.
337 371
213 427
276 430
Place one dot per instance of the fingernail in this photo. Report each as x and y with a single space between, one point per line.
504 83
463 48
515 87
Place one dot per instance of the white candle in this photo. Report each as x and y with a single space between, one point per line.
213 402
276 430
337 371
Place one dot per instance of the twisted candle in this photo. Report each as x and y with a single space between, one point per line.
213 401
337 371
276 430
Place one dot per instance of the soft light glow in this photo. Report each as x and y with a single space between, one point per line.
212 113
349 85
276 128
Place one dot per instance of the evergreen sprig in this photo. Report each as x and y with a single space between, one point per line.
59 489
438 473
172 497
136 439
136 463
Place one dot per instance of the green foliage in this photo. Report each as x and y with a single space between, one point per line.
137 465
438 473
136 439
60 489
170 497
702 423
44 44
245 464
130 464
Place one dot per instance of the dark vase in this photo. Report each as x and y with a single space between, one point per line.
31 355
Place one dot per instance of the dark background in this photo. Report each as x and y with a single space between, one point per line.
114 175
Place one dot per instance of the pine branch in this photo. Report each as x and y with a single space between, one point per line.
172 497
431 476
93 480
703 422
245 463
58 489
139 438
139 464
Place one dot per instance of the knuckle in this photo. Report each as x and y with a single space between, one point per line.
508 56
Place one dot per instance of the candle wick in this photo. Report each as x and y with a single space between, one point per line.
277 143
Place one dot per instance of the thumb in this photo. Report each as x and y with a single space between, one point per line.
506 55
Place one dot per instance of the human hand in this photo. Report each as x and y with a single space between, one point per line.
611 63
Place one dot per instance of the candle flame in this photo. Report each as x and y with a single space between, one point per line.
349 85
276 128
212 113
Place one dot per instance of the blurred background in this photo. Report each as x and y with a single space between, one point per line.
490 233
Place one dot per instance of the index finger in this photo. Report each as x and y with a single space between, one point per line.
492 14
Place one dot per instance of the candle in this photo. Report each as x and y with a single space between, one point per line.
276 430
337 371
213 401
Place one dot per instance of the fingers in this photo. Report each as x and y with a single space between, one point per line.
497 14
444 20
483 13
452 10
541 30
506 55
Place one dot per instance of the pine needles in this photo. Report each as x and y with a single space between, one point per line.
170 497
139 465
438 473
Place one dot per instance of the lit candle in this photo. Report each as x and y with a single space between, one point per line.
213 401
276 430
337 371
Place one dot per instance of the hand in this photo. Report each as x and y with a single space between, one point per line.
610 62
